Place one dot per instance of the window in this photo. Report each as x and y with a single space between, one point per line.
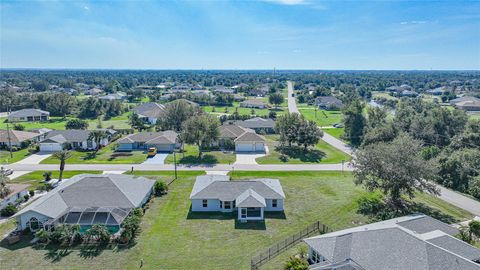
205 203
274 203
221 204
227 205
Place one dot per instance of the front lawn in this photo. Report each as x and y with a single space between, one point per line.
335 132
52 123
322 153
173 238
104 156
323 118
17 156
190 156
35 179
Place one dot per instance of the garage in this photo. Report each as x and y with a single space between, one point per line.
50 147
163 147
244 147
259 147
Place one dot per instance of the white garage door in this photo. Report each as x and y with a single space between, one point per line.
244 147
50 147
259 147
164 147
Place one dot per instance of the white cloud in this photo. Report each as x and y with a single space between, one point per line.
287 2
86 8
413 22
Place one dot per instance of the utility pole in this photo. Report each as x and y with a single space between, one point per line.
8 134
175 163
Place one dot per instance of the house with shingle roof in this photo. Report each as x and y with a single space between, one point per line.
245 139
28 115
410 242
258 124
164 141
17 138
87 199
57 140
253 103
150 111
250 199
328 103
466 103
16 192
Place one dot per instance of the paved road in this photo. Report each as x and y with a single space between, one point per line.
292 104
460 200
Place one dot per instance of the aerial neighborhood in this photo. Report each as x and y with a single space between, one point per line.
240 135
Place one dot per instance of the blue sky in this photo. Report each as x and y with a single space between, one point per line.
286 34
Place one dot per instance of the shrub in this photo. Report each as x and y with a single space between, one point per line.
295 263
474 187
47 176
370 204
31 192
43 236
26 197
19 127
8 210
99 233
160 188
474 228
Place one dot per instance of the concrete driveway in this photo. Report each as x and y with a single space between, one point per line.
35 158
249 158
159 158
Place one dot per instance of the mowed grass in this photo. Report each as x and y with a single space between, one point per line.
335 132
322 153
17 156
190 156
323 118
103 156
246 111
171 238
35 179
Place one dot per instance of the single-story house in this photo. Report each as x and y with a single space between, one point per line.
87 199
17 191
258 124
409 93
250 199
165 141
437 91
42 131
466 103
245 139
114 96
223 89
150 111
17 138
28 115
260 91
57 140
410 242
328 103
253 103
93 91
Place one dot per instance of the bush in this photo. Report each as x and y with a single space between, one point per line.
47 176
474 228
19 127
31 192
160 188
474 187
43 236
295 263
370 204
8 210
26 197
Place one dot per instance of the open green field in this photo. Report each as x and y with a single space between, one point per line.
104 156
190 156
17 156
323 118
322 153
335 132
174 238
35 178
385 95
243 111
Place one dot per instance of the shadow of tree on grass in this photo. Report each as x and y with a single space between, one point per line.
309 155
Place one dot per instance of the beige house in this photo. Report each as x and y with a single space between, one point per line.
28 115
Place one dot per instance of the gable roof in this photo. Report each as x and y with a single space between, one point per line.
164 137
150 109
250 198
328 100
463 99
16 136
392 244
28 112
14 189
254 102
69 135
232 131
250 137
85 191
256 122
219 187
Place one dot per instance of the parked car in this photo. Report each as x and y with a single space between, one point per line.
7 172
338 125
152 152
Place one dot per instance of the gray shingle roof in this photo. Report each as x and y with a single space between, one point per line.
89 191
426 224
164 137
69 135
150 109
457 246
256 122
28 112
250 137
250 198
232 131
16 136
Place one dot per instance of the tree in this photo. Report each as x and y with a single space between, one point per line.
62 156
97 136
308 134
287 126
4 190
295 263
474 228
177 112
395 168
98 232
19 127
76 123
275 99
354 122
160 188
135 121
201 130
8 210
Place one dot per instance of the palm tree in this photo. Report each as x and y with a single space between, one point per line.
97 136
62 156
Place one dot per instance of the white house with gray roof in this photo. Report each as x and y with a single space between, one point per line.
164 141
410 242
28 115
150 111
87 199
245 139
56 140
250 199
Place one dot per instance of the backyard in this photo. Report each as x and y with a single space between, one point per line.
322 153
173 238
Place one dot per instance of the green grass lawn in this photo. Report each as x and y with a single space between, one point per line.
323 153
209 157
323 118
171 238
118 122
335 132
17 156
104 156
245 111
383 95
35 178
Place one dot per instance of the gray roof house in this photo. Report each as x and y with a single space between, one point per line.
258 124
16 138
245 139
410 242
250 199
150 111
253 103
165 141
466 103
28 115
87 199
56 140
114 96
328 103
